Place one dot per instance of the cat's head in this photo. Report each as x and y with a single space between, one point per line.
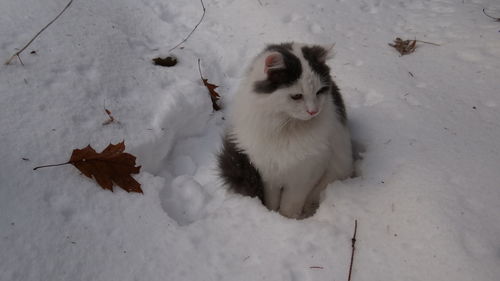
293 79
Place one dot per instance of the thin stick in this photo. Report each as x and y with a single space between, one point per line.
55 165
427 42
192 31
22 63
39 32
496 19
316 267
353 248
199 69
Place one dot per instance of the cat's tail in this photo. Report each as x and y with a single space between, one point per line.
237 171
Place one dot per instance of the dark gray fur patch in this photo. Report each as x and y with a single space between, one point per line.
339 102
313 56
280 77
237 171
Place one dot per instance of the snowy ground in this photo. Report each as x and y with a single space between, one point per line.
427 200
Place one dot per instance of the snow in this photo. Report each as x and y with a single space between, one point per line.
427 199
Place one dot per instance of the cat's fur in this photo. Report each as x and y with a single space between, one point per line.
282 147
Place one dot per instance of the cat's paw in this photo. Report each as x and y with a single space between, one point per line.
309 210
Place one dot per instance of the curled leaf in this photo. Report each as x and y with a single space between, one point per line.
168 61
214 96
404 47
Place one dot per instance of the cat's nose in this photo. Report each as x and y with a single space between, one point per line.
312 113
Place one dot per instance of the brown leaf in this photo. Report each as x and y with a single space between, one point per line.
214 96
404 47
168 61
110 166
111 118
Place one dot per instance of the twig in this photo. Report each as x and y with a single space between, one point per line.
192 31
17 55
427 42
199 69
353 248
54 165
496 19
39 32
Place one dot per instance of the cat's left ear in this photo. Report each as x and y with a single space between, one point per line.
274 61
327 52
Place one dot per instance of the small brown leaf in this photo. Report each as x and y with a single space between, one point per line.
168 61
404 47
214 96
111 118
110 166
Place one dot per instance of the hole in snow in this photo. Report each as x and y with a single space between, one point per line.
358 150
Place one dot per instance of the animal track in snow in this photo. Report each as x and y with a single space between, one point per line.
291 18
316 28
371 8
372 98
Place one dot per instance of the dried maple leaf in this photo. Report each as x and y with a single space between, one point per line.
214 96
110 166
404 47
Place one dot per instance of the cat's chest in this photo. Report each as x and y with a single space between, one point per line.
282 153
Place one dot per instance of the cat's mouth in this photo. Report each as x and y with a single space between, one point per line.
306 116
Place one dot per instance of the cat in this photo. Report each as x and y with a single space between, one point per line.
287 138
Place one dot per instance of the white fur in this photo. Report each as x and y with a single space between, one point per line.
297 154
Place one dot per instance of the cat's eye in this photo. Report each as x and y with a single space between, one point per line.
297 97
322 90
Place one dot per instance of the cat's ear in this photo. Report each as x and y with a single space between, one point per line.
326 52
329 51
274 61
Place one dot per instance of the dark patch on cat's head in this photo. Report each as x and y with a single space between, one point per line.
277 78
316 56
339 102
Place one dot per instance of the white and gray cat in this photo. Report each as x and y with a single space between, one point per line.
287 137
